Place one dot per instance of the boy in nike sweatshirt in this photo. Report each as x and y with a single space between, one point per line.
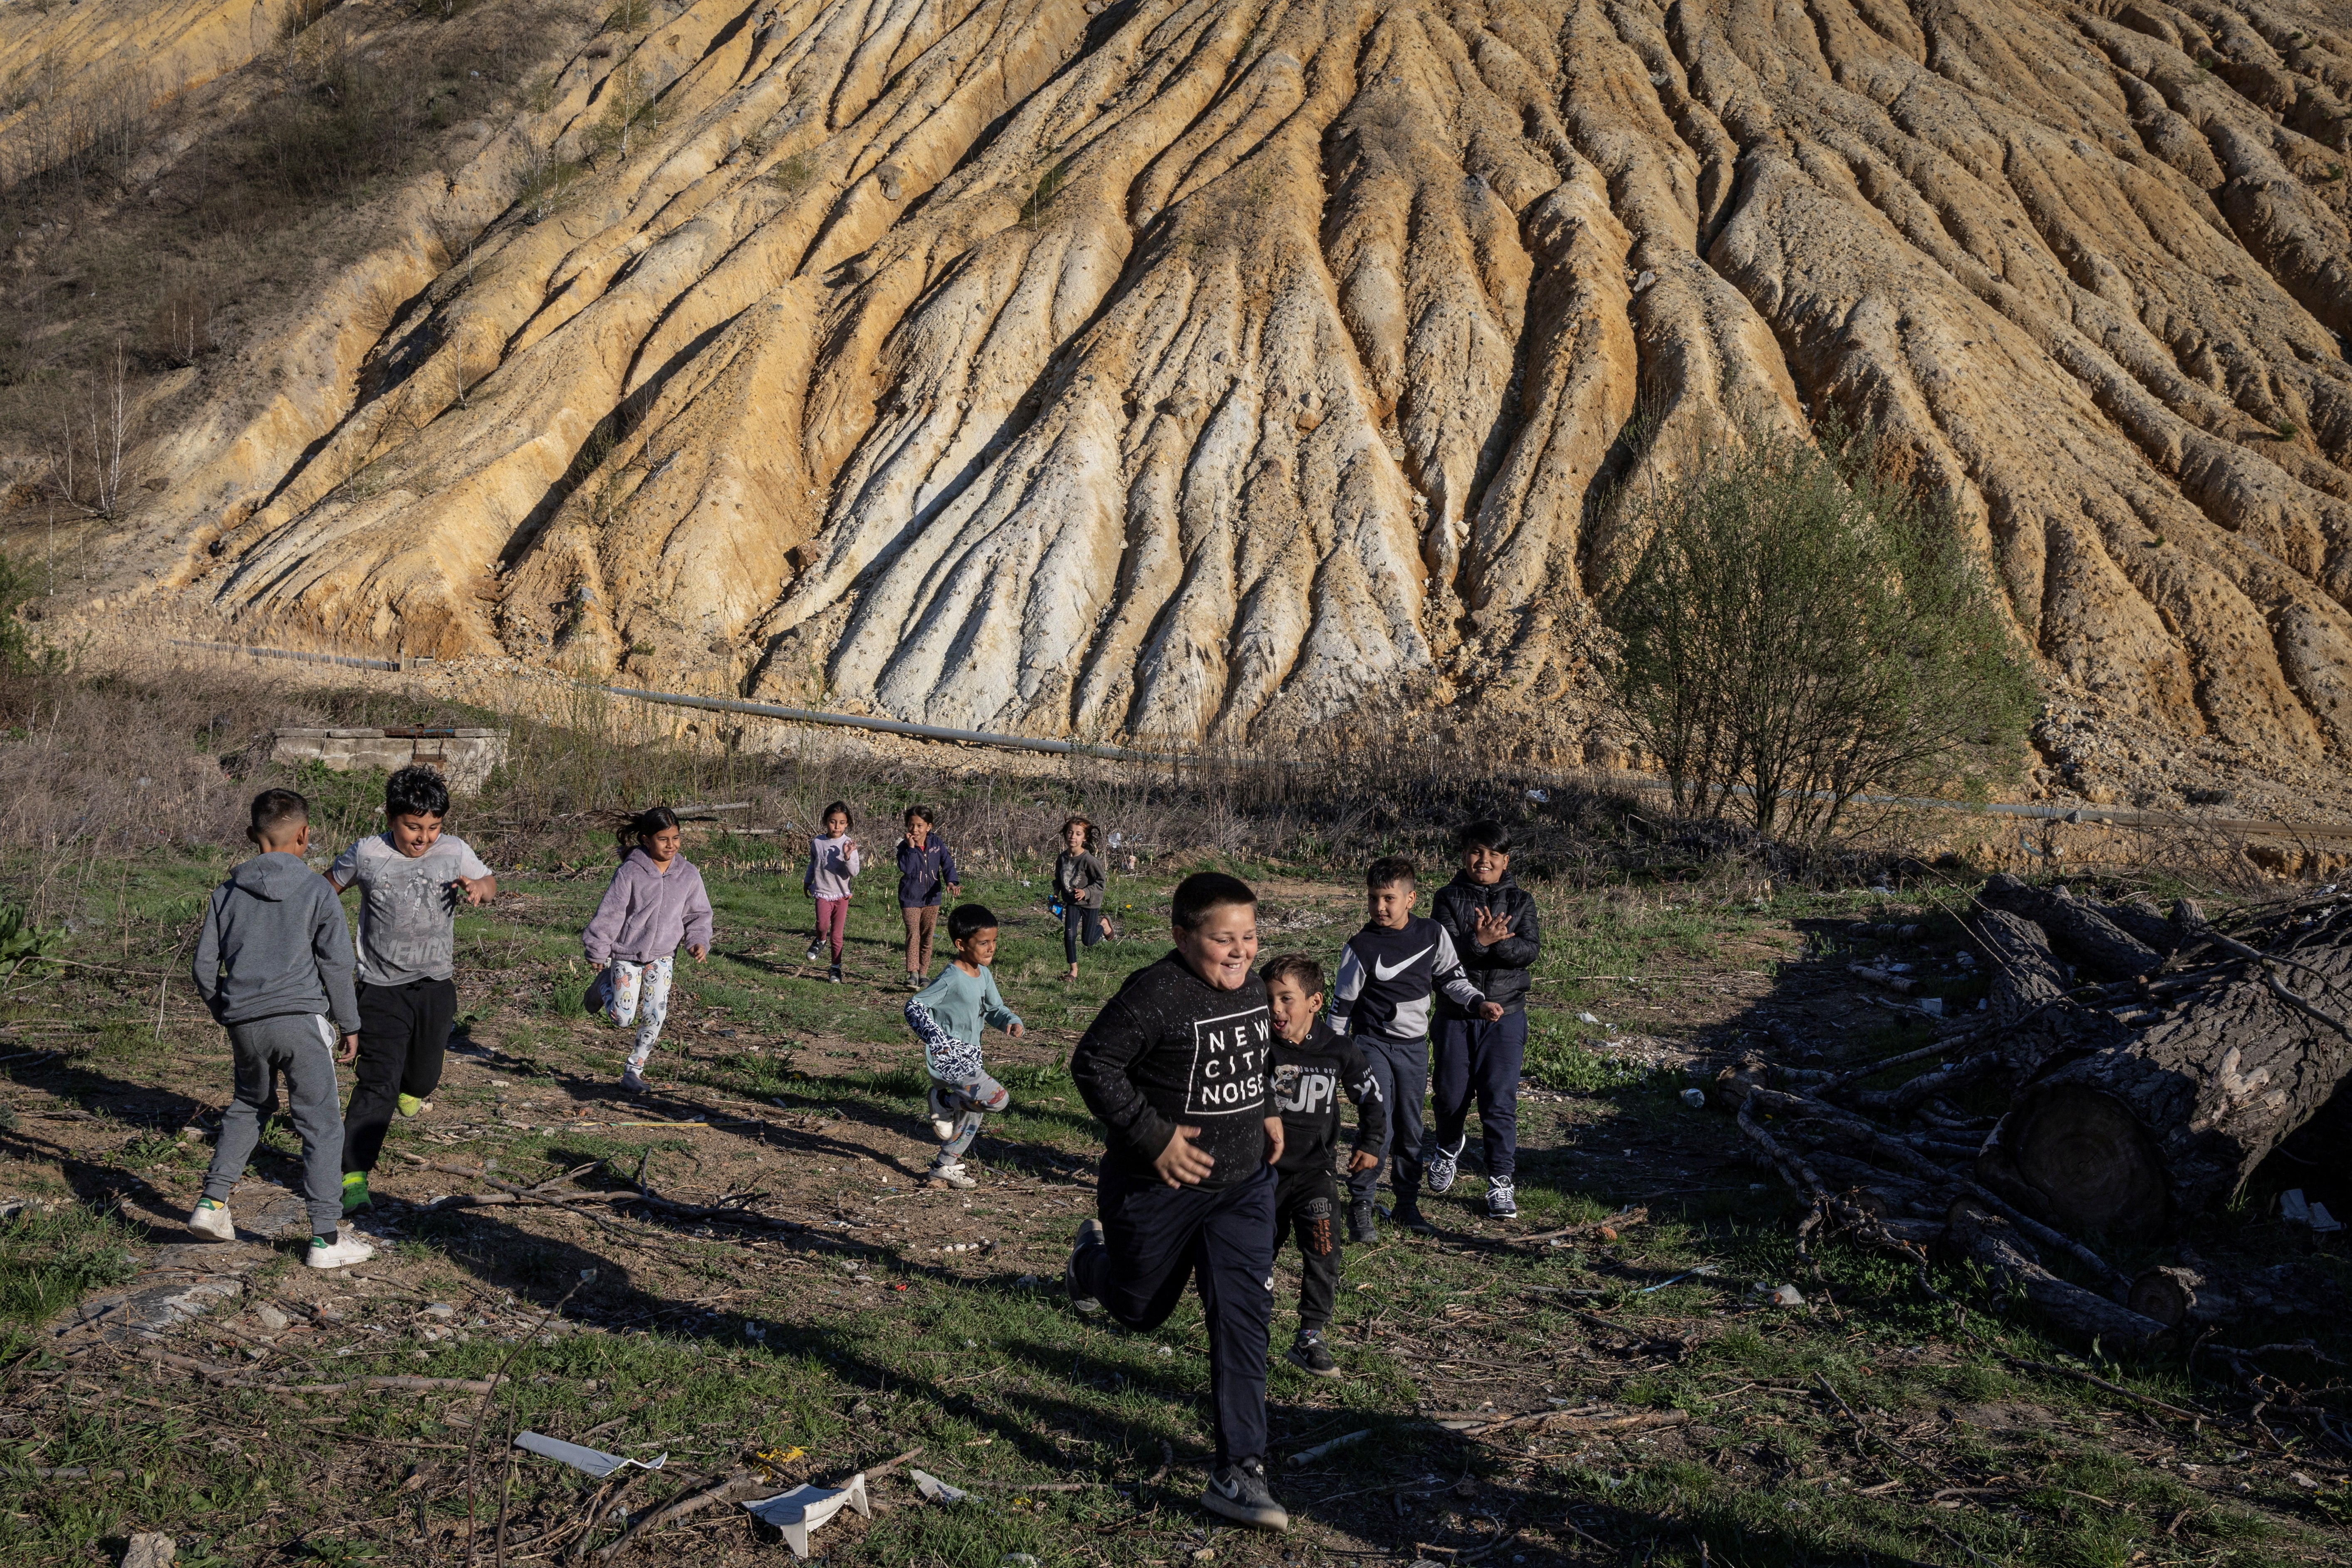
1175 1068
1492 920
1312 1068
1387 973
273 964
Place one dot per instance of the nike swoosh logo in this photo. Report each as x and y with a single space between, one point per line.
1384 973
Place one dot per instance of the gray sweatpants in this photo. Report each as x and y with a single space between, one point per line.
303 1046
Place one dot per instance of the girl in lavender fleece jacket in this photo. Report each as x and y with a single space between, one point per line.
655 905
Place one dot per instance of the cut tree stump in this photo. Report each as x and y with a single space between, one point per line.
2177 1115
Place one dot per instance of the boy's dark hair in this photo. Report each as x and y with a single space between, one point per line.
415 791
276 812
842 806
1297 967
969 920
1485 834
1205 891
922 814
644 825
1389 870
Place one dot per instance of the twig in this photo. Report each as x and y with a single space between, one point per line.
482 1411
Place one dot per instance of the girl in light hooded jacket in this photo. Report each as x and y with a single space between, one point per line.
655 905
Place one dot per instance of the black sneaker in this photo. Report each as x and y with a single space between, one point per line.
1407 1213
1090 1234
833 974
1307 1353
1240 1492
1362 1225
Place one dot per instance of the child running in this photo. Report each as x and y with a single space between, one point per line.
1078 883
273 964
833 861
1312 1068
655 905
411 878
1492 920
948 1015
926 867
1387 973
1175 1068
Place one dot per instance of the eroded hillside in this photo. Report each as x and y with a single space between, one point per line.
1176 367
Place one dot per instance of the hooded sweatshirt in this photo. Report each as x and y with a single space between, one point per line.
1171 1050
274 943
647 913
831 862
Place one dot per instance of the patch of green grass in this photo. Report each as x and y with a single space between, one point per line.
51 1258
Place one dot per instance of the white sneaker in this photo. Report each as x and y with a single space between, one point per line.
815 953
341 1252
633 1082
951 1175
212 1221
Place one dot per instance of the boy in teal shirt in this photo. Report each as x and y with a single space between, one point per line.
948 1016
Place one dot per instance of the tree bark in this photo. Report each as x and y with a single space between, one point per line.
1992 1241
2175 1117
2079 931
2026 975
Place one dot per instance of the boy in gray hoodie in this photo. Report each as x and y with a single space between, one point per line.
273 964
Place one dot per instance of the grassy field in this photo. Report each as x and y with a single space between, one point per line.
805 1308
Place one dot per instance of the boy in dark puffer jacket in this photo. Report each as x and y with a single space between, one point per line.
1492 920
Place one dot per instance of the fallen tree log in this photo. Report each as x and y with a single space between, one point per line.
2175 1117
1976 1233
2178 1297
2095 944
2026 977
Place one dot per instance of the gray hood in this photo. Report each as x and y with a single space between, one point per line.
276 876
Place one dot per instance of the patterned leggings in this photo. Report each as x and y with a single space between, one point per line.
639 992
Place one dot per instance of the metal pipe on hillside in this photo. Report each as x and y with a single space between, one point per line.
344 658
892 726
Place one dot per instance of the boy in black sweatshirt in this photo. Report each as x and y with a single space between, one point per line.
1175 1068
1389 972
1492 920
1312 1068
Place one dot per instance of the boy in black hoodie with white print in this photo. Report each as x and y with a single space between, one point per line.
1389 974
1175 1068
1313 1070
1492 920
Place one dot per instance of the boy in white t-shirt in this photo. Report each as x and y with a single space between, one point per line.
411 878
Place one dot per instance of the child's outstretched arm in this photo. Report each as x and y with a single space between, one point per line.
1345 988
1371 1108
604 925
206 970
1456 983
993 1010
330 950
701 924
945 1054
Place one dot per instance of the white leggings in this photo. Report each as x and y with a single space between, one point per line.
638 991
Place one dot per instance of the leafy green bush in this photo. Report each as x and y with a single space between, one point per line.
1803 627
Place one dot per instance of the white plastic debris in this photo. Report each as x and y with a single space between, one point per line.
1540 796
937 1490
2322 1222
804 1508
2299 1480
1965 960
1586 1018
1695 1099
595 1461
1932 1005
2291 1208
1788 1296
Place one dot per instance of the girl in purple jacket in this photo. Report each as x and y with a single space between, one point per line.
655 906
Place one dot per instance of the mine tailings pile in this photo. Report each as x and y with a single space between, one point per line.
2149 1061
